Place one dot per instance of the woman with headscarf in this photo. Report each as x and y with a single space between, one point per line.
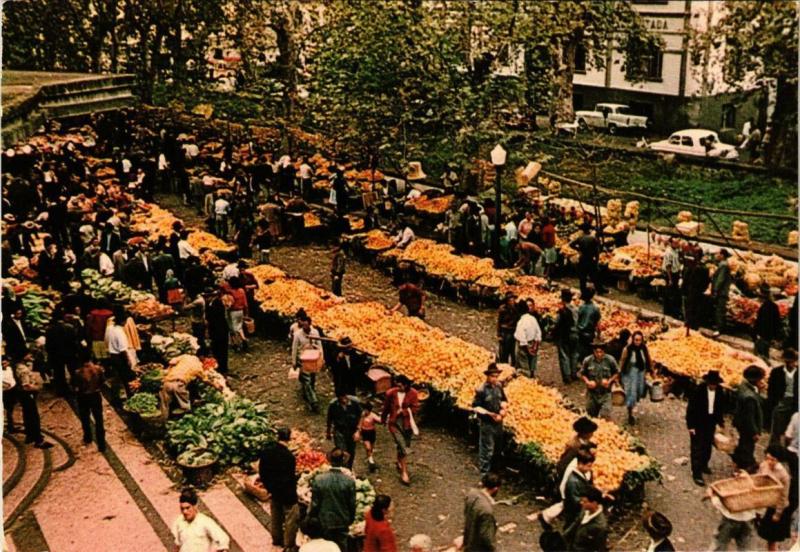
634 362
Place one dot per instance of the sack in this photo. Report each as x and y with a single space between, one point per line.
175 296
724 442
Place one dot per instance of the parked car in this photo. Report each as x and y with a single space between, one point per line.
610 116
697 142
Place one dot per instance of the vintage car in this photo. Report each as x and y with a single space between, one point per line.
697 142
610 116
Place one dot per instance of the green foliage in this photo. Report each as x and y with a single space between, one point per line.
151 381
142 403
235 431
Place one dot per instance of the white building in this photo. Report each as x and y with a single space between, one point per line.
676 93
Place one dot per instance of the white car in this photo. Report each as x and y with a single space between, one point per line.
610 116
697 142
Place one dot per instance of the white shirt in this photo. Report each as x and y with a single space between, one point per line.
320 545
405 237
791 434
185 250
201 535
221 206
230 271
162 162
19 325
711 396
106 266
116 340
191 150
414 193
654 544
511 230
528 330
305 171
126 166
671 262
747 515
789 392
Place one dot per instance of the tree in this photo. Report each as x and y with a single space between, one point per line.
755 43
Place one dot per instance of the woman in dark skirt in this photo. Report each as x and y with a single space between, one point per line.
775 526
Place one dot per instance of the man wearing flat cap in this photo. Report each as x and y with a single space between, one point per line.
703 414
490 403
598 371
659 527
584 431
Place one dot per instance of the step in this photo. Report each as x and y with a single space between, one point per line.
103 104
73 94
221 503
38 466
87 506
88 96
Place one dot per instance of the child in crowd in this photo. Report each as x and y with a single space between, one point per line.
366 430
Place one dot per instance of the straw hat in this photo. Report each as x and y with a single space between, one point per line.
415 171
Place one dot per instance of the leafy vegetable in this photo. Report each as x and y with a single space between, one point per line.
236 431
196 457
143 403
152 380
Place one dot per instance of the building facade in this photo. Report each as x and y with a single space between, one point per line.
676 93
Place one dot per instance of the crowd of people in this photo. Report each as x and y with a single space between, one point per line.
87 225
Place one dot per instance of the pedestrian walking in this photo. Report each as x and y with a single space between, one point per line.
506 324
28 386
400 405
634 364
565 333
588 533
748 417
693 287
88 384
118 351
781 396
598 371
774 526
576 482
658 528
312 528
704 413
367 434
343 369
237 311
304 338
490 404
378 533
338 266
276 469
333 500
194 531
584 429
737 527
528 338
480 526
720 289
344 415
790 440
588 319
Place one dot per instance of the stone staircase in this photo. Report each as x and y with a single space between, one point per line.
30 99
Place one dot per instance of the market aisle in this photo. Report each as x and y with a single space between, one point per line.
87 507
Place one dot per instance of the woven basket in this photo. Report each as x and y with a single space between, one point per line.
748 492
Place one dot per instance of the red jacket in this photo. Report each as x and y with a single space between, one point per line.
378 536
391 409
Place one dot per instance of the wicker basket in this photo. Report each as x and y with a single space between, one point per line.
312 360
748 492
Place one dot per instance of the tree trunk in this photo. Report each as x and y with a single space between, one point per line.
562 111
284 28
780 143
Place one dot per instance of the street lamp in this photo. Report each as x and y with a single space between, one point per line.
498 160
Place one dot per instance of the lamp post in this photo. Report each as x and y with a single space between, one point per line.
498 160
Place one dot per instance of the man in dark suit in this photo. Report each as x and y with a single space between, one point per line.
589 531
139 270
781 396
748 417
703 414
480 527
162 261
276 468
14 334
577 484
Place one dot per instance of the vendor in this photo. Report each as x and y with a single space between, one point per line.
412 298
405 236
491 404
